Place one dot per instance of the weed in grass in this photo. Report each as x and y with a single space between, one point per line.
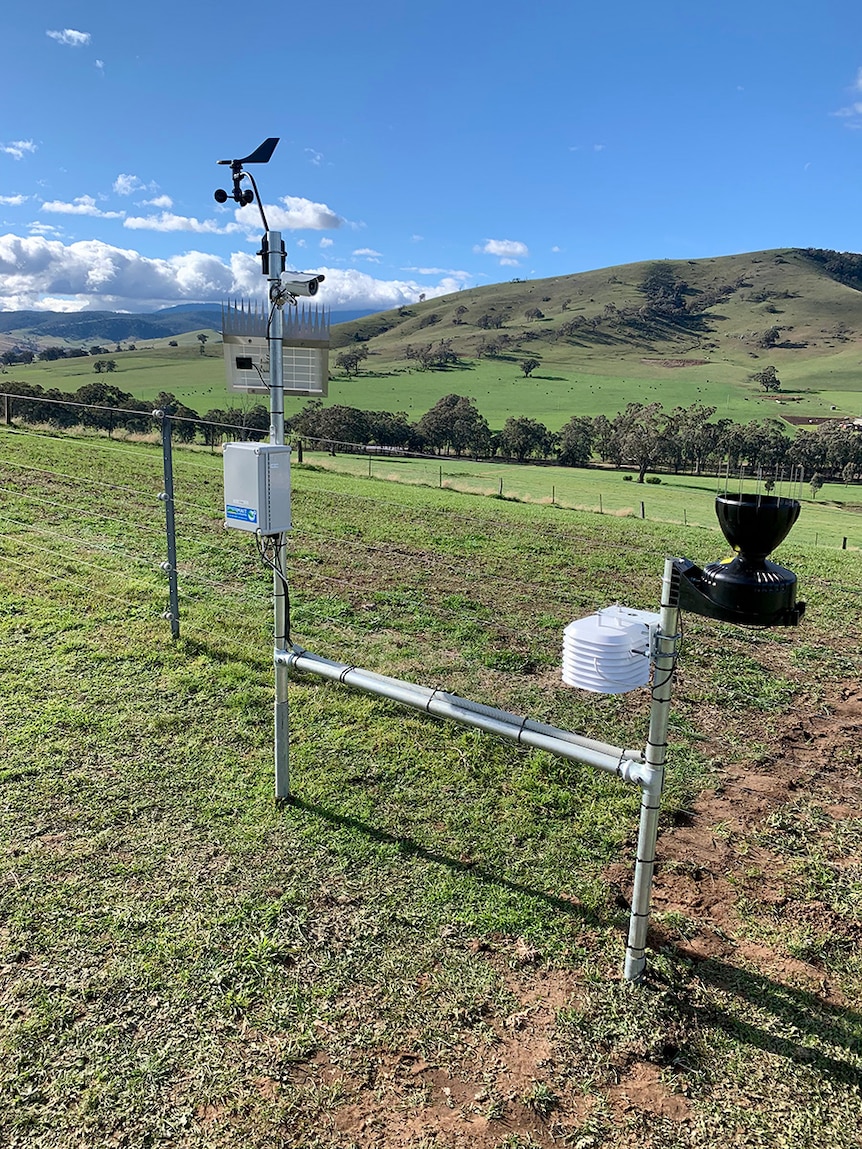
541 1098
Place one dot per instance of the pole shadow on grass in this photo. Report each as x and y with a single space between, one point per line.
795 1010
410 848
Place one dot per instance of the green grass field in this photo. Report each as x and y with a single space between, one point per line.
424 948
828 519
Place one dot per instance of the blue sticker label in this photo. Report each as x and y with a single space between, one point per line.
243 514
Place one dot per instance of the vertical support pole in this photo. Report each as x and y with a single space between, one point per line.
653 780
273 265
167 497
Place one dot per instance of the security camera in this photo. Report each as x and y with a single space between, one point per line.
298 284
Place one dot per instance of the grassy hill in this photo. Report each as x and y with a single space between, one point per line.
600 339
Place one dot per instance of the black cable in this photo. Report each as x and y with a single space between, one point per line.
273 542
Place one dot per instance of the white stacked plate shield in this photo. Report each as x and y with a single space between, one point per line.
608 652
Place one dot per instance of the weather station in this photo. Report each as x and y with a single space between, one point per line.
283 344
614 651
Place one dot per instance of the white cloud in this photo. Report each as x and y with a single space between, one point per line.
463 276
325 241
37 272
100 64
509 251
314 157
70 37
164 201
13 200
348 287
81 205
126 184
852 112
368 253
17 149
96 274
298 214
556 249
168 221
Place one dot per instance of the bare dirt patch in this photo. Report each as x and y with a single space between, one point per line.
720 853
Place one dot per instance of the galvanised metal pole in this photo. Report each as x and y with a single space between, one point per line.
274 264
167 497
667 646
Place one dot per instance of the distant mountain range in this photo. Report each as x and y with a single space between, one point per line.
85 327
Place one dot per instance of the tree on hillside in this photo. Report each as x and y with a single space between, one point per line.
528 366
203 339
349 361
332 425
691 436
664 290
184 427
522 438
490 321
391 430
533 313
454 424
605 440
640 432
767 378
815 483
98 396
575 442
766 443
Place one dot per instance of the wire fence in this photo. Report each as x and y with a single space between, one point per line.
101 505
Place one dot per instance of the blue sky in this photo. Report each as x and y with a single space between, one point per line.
424 148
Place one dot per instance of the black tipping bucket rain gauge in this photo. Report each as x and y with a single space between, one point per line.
748 590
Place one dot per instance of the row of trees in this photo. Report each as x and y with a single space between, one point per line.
643 436
14 356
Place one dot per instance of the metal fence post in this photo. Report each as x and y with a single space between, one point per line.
667 645
167 497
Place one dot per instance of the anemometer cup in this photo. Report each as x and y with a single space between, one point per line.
749 590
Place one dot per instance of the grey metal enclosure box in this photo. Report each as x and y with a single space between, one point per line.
257 487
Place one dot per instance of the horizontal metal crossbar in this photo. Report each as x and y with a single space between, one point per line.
626 764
